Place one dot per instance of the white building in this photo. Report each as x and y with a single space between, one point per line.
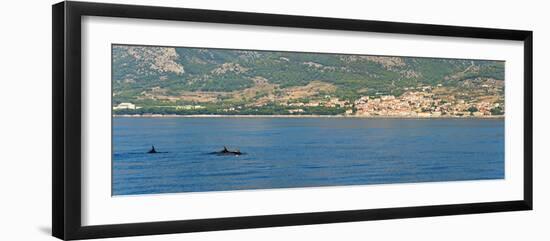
125 106
189 107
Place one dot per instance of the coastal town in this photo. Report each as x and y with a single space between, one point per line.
415 102
165 81
411 104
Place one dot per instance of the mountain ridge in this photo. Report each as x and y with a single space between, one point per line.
159 76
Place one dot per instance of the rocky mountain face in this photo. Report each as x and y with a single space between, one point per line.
143 72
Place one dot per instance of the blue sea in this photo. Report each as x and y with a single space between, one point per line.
300 152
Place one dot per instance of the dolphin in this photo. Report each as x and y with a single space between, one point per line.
225 151
152 151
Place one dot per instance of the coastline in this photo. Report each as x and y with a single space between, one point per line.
308 116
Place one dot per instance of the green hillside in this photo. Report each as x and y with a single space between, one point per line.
158 76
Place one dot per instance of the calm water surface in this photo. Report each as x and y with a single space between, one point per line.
300 152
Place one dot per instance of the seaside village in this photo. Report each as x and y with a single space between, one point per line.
414 103
418 104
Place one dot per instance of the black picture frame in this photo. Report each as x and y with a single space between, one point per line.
66 75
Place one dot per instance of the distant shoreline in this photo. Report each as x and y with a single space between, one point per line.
308 116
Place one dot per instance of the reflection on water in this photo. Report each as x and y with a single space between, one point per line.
300 152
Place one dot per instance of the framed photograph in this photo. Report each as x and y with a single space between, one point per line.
172 120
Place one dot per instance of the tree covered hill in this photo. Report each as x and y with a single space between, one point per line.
142 73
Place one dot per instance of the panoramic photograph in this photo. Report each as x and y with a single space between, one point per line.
187 119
